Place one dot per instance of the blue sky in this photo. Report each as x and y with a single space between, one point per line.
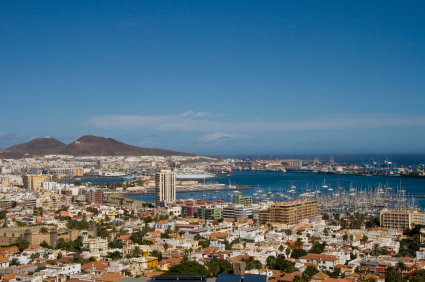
216 77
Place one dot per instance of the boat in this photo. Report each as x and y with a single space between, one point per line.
324 184
193 174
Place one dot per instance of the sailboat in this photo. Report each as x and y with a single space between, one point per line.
324 186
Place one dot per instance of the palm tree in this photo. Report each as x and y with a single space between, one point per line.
281 248
137 251
401 267
299 243
287 252
44 230
288 232
364 239
375 249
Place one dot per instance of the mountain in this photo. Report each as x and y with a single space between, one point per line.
87 145
36 145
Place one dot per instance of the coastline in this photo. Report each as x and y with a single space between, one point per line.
116 199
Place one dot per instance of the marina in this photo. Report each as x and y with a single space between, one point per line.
349 193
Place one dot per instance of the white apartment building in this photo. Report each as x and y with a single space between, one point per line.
165 186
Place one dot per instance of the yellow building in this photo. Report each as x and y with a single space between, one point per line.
33 182
77 172
398 219
289 212
140 265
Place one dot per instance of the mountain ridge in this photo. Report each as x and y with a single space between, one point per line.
87 145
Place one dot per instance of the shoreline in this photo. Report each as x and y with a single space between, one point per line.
116 199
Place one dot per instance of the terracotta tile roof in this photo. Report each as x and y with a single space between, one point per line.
111 277
320 257
219 235
320 276
96 264
162 222
11 276
123 237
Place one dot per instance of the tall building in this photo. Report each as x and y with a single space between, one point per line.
94 196
289 212
242 200
399 219
33 182
165 186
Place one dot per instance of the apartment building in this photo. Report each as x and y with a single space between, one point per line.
94 196
399 219
242 200
289 212
165 186
33 182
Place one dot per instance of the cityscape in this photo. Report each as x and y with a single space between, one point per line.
212 141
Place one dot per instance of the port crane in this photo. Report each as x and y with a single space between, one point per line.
373 166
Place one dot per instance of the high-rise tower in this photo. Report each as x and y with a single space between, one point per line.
165 186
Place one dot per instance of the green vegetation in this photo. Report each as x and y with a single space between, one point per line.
114 255
188 268
279 263
217 266
252 263
297 253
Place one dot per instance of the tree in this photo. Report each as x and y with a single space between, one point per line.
44 230
217 266
297 253
375 249
364 239
21 243
391 275
166 247
284 265
345 237
288 252
337 216
270 261
281 248
310 271
126 272
325 216
45 245
188 268
288 232
299 243
59 255
157 254
251 263
46 255
114 255
418 276
14 261
137 251
401 267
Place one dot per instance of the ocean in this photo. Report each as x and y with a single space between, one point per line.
277 182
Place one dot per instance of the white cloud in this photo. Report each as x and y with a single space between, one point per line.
198 122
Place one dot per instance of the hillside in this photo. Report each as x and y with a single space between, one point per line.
35 145
87 145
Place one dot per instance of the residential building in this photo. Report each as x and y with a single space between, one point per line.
33 182
210 213
94 196
237 211
95 244
242 200
399 219
165 186
289 212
